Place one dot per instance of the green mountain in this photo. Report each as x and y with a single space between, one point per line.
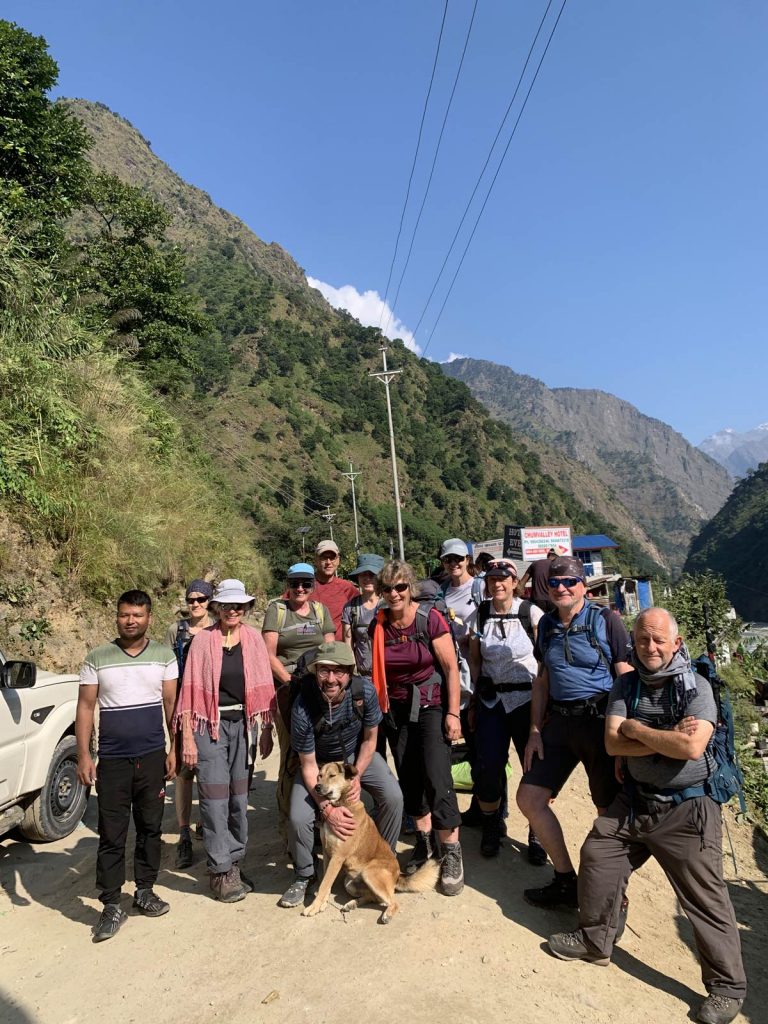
283 400
669 487
735 545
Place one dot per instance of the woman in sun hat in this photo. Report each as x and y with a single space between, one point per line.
227 686
359 612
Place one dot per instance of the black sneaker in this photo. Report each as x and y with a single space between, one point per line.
561 892
149 903
451 870
184 855
623 912
490 844
718 1009
109 923
571 946
537 855
295 893
423 849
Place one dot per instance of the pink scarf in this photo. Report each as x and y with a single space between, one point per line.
199 697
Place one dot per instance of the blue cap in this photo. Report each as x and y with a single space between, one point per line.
300 569
368 563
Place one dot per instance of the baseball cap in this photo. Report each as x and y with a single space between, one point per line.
327 545
300 569
454 546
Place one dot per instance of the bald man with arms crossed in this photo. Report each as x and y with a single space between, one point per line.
660 719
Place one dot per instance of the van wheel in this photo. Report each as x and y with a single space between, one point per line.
60 804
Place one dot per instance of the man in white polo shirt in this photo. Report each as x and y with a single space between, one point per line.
133 679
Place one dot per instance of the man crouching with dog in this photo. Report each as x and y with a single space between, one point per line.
335 717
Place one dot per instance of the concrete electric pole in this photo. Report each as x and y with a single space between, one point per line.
386 377
351 477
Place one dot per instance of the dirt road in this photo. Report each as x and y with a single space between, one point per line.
476 958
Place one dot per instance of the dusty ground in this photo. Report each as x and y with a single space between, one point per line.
475 958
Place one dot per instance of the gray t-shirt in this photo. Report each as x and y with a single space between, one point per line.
656 772
358 618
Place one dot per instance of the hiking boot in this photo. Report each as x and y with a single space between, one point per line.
570 946
561 892
227 887
295 893
623 912
490 844
110 920
184 855
149 903
244 880
718 1009
451 870
537 855
423 849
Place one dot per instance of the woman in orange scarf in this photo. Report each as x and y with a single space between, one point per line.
416 676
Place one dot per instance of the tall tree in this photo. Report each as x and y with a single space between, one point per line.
43 166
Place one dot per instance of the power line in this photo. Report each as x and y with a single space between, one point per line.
483 170
495 176
432 169
413 165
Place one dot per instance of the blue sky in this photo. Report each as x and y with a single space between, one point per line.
625 244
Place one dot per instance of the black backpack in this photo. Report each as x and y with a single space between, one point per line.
485 613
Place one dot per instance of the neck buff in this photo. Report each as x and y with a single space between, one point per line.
678 670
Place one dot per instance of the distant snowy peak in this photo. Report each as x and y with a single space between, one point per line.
738 452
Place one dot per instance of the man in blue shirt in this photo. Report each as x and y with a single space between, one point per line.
335 717
581 648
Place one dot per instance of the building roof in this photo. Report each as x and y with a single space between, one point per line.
592 542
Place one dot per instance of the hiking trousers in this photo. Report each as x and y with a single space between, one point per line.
686 839
494 728
377 779
125 785
222 789
287 770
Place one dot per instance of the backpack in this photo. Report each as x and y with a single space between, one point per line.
590 628
317 607
485 613
181 644
305 686
726 779
426 604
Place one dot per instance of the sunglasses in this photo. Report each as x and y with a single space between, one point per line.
451 559
566 581
198 600
227 607
399 587
301 584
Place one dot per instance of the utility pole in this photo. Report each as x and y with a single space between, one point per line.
351 477
386 379
329 517
303 530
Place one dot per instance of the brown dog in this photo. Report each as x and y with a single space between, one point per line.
372 869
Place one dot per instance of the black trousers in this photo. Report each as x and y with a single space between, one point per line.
422 757
126 784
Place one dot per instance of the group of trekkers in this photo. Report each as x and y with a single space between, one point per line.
385 664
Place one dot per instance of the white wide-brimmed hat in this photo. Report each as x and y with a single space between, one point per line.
231 592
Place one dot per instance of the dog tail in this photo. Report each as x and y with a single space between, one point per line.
420 881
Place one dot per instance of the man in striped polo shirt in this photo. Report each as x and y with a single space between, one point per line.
133 679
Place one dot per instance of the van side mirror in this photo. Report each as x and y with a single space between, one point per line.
18 675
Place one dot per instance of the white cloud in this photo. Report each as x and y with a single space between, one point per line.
367 308
454 355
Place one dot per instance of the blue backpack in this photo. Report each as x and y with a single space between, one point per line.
726 779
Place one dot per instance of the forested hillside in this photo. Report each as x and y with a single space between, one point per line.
669 487
175 399
735 544
284 400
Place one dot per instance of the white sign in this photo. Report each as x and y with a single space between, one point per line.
530 543
495 548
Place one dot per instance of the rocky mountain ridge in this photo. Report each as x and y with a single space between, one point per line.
738 451
668 486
